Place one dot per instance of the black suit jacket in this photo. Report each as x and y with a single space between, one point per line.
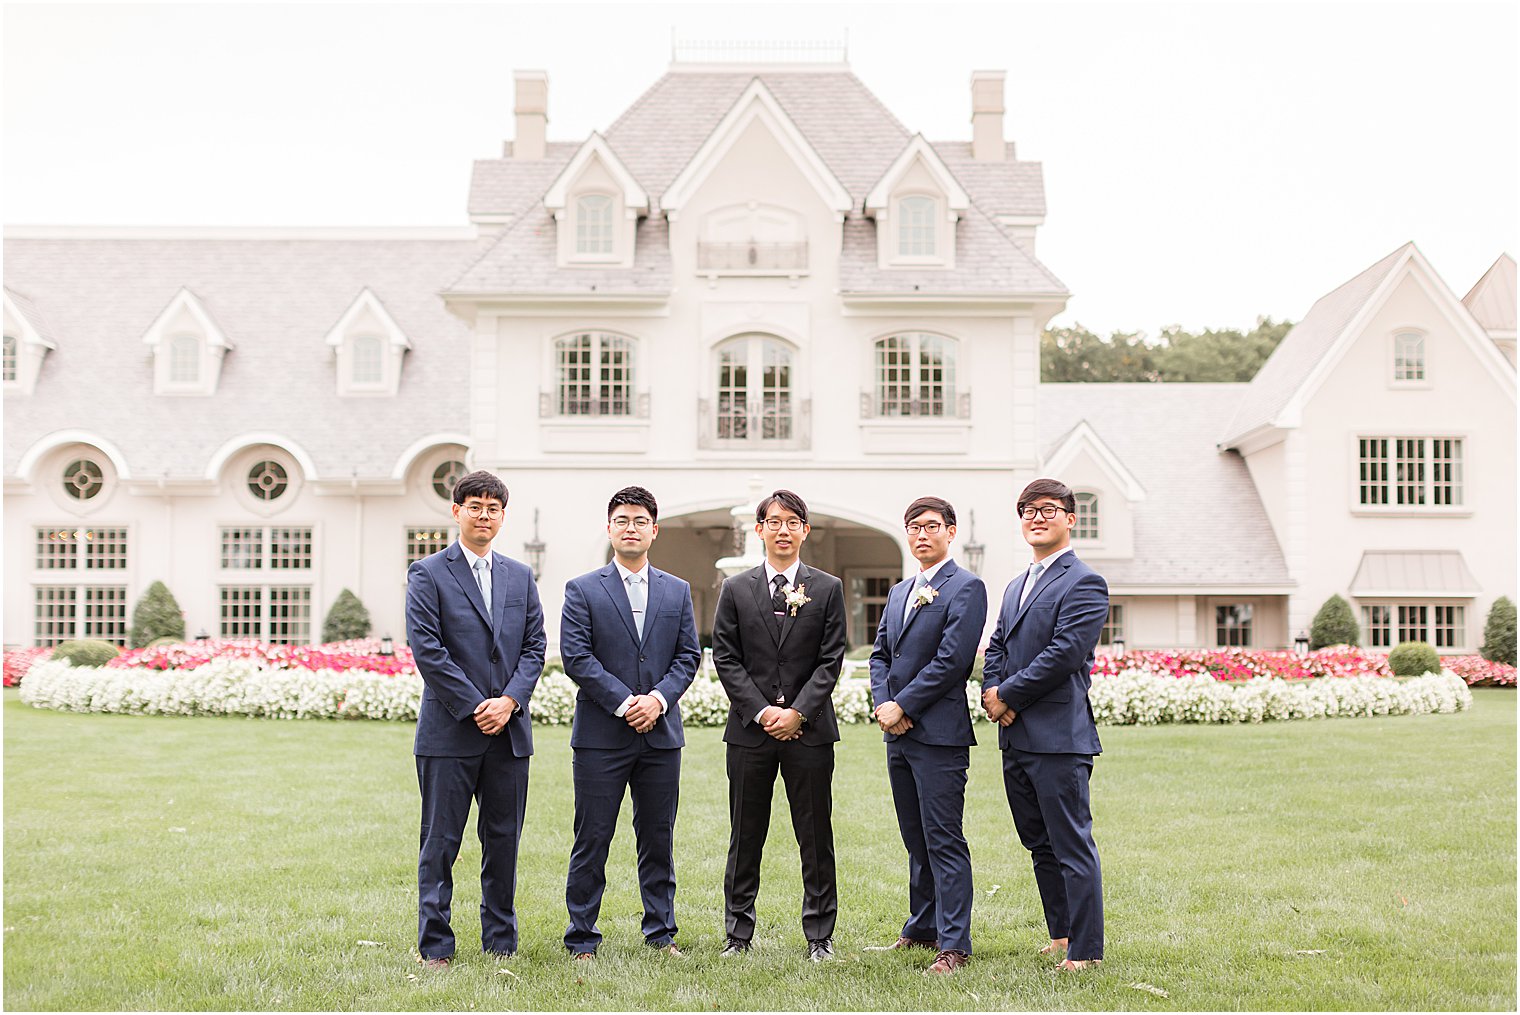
796 658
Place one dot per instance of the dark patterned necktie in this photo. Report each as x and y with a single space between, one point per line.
778 598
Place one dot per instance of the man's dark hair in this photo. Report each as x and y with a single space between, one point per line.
923 504
480 484
634 496
787 499
1052 488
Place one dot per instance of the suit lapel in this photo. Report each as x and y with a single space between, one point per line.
498 589
787 619
896 598
943 575
612 582
1050 574
652 606
763 603
466 579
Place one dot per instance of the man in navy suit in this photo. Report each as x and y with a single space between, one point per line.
628 638
1036 678
925 649
475 627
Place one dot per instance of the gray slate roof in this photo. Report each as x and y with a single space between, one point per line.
1301 349
1492 299
27 308
853 133
276 300
1163 433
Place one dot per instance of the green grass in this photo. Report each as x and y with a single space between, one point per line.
156 863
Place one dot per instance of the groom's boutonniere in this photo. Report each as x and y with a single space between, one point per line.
797 598
924 596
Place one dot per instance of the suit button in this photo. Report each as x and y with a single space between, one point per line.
641 658
899 655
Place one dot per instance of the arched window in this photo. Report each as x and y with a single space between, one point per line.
754 390
593 224
10 357
1087 517
915 375
1409 356
368 366
595 375
915 227
184 359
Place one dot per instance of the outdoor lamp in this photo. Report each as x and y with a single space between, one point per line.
533 549
976 553
203 636
1301 644
1118 646
387 647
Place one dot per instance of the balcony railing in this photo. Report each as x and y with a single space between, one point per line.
931 404
752 256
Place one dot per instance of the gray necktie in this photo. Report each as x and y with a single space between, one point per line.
637 600
483 579
918 583
1029 583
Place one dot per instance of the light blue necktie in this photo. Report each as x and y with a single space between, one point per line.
1029 583
637 600
918 583
483 579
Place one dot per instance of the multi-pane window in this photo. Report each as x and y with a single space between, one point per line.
246 548
1409 471
65 548
868 600
367 362
915 227
1113 627
184 359
11 347
1409 356
1232 625
1087 517
426 540
1441 624
275 613
595 375
593 224
65 612
915 375
754 390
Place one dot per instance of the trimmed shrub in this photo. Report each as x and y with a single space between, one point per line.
1334 624
156 616
348 619
86 652
1499 632
1414 658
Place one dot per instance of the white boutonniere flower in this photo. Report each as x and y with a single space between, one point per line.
797 598
925 595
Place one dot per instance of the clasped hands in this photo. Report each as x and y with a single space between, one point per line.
642 713
492 714
997 710
782 723
890 717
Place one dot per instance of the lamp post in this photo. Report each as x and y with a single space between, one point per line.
1119 648
202 636
534 550
387 646
1301 644
976 553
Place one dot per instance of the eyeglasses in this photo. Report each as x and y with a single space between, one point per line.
932 528
791 524
1045 511
480 510
641 523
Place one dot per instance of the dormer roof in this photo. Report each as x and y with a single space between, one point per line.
918 151
188 302
596 147
34 327
367 302
1083 437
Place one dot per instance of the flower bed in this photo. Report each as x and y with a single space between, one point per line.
361 654
20 662
254 687
1479 672
1248 664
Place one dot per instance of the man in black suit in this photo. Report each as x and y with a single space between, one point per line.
778 645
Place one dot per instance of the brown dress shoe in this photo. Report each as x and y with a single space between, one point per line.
583 956
903 943
442 963
947 962
671 950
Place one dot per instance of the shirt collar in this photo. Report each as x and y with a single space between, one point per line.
1052 558
625 573
791 572
931 572
471 556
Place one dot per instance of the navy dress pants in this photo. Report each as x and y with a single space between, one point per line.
929 791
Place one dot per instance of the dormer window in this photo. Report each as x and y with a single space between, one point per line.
593 224
915 226
27 341
188 347
368 366
184 359
369 347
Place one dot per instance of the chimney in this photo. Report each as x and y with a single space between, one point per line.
532 108
987 115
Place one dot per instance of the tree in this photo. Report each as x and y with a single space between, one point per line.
157 615
1499 632
1076 354
346 620
1334 624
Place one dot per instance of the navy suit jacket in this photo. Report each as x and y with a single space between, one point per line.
604 655
466 655
923 663
1040 659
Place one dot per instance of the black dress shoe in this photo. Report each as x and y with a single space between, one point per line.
821 950
735 946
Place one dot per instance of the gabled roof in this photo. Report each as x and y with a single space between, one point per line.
33 324
187 302
367 302
1492 299
508 187
1163 434
596 147
755 104
1276 395
1083 437
918 150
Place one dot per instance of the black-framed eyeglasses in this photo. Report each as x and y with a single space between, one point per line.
1045 511
641 523
477 510
791 524
933 528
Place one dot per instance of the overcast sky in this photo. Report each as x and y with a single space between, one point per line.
1204 163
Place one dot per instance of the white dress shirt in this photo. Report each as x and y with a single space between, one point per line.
791 582
1047 562
929 575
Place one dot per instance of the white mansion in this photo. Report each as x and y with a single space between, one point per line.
755 277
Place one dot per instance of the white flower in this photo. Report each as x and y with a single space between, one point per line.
923 596
797 598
